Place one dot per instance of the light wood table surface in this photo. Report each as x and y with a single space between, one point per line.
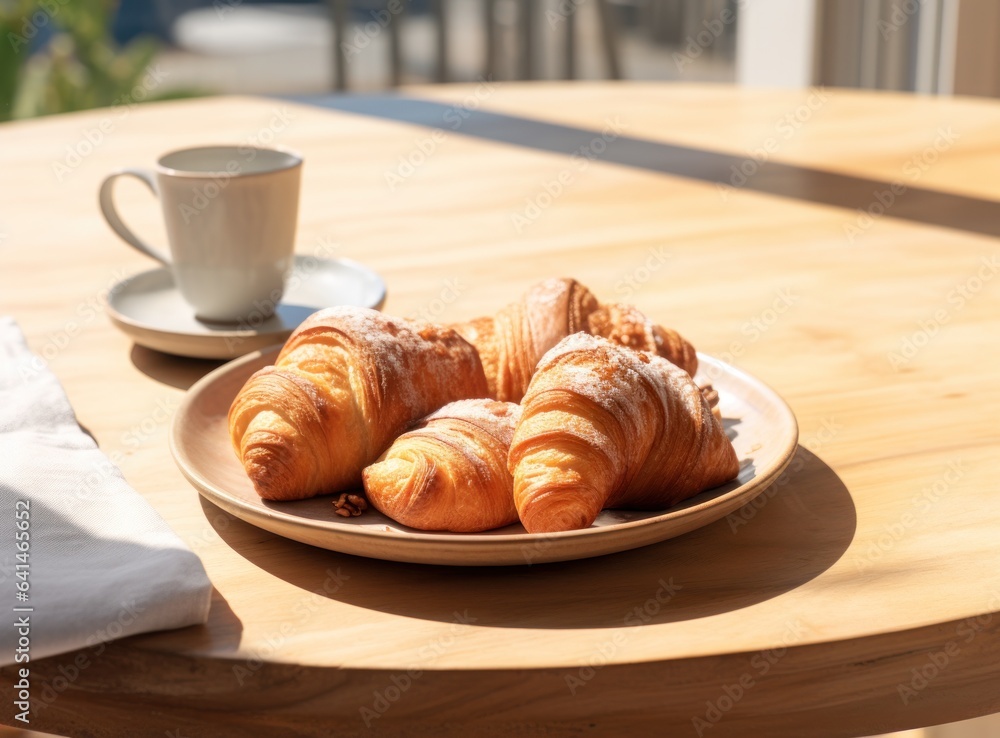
862 595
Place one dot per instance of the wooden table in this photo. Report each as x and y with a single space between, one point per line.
861 595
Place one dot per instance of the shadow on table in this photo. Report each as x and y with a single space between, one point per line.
721 168
221 633
796 530
175 371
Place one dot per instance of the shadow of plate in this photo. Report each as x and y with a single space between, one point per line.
793 532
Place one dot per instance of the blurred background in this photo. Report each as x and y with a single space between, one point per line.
64 55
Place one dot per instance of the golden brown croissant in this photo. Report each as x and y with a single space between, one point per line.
511 343
626 325
603 426
449 472
346 383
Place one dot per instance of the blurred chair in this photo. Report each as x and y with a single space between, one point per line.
232 27
239 27
527 22
527 67
341 10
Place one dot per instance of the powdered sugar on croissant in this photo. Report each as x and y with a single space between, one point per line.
513 341
604 426
347 382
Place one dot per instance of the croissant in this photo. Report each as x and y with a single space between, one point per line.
449 472
511 343
627 326
603 427
346 383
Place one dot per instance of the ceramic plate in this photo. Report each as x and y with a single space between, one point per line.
149 308
760 424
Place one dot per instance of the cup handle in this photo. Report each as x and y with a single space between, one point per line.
115 221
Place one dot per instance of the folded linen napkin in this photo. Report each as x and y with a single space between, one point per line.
83 557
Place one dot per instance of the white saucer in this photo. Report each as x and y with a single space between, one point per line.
149 308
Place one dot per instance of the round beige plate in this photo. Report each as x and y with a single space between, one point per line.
760 424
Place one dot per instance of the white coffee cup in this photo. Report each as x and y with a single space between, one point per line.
231 213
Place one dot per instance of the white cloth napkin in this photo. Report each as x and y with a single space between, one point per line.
101 563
